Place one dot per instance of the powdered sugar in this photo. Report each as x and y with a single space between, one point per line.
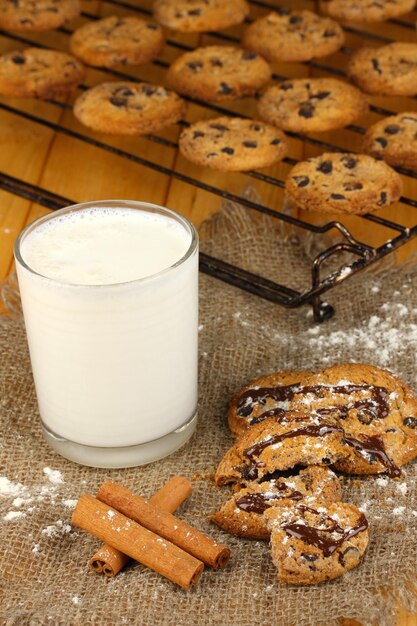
54 476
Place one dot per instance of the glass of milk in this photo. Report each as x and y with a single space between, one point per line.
110 299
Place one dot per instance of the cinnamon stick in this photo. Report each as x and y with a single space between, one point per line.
164 524
140 544
108 560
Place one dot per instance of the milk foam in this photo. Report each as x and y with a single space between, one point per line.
102 246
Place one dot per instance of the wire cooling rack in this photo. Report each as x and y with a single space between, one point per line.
360 253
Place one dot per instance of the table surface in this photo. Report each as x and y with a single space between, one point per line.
80 171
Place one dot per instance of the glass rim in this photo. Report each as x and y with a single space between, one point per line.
150 207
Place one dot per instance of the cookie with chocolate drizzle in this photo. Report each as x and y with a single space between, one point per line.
252 404
377 411
277 445
312 544
242 515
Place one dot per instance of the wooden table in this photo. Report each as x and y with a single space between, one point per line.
80 171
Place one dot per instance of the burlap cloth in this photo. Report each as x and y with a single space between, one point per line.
44 576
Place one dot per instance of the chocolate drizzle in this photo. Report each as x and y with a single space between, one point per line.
260 501
322 537
313 430
374 407
374 446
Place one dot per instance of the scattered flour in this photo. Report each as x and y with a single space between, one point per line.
69 504
54 531
54 476
399 510
75 600
12 515
7 488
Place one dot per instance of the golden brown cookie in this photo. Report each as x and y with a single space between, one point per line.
365 10
377 411
293 36
36 15
273 445
200 15
343 183
117 41
128 108
388 71
242 515
216 73
312 544
394 139
254 402
307 105
233 144
39 73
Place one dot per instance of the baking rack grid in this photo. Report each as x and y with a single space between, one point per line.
361 253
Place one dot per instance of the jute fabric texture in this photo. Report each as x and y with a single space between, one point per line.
44 577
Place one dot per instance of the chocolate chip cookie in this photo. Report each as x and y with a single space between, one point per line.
36 15
293 36
377 411
312 104
200 15
388 71
233 143
126 108
117 41
216 73
38 73
274 445
266 396
242 515
312 544
365 10
343 183
394 139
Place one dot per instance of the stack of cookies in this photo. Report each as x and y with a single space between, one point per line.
291 427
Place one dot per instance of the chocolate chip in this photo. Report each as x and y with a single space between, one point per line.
224 89
118 102
220 127
301 181
152 26
212 154
376 66
216 63
197 133
392 129
194 12
244 411
382 199
337 196
349 162
352 186
326 167
382 141
250 144
228 150
329 33
343 556
326 461
276 141
249 56
123 91
148 90
306 110
410 422
195 65
321 95
309 557
256 127
286 86
295 19
18 59
391 430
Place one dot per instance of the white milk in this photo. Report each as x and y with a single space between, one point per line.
114 358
